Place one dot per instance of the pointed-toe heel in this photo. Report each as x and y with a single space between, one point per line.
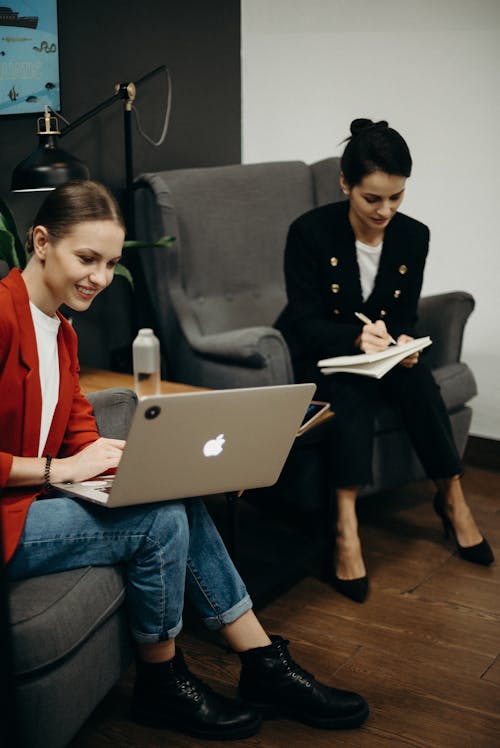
480 553
354 589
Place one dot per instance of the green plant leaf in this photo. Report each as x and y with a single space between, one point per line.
164 241
125 273
7 249
15 251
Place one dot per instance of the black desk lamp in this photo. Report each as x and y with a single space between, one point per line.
49 166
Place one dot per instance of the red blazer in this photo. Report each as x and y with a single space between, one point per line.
73 425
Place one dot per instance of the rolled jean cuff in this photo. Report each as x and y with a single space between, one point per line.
141 638
214 623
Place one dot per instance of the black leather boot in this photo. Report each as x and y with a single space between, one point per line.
168 695
274 684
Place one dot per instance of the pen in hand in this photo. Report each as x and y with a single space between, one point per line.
368 321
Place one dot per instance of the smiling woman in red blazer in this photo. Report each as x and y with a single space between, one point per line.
48 435
363 255
73 427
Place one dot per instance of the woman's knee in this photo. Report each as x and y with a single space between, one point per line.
353 398
169 523
416 381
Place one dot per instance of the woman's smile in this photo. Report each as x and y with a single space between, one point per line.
86 291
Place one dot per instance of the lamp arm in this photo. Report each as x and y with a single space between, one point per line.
88 115
123 92
151 74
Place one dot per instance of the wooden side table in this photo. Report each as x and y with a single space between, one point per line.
92 380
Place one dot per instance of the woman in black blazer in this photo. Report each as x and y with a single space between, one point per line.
362 255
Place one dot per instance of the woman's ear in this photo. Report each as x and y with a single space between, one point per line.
343 184
40 239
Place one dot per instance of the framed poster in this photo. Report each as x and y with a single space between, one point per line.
29 56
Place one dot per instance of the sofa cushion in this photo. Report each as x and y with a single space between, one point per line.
53 615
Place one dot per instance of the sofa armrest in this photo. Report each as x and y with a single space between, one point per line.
113 410
443 317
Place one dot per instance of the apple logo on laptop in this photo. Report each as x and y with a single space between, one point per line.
214 447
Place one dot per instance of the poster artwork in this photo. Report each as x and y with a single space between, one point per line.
29 56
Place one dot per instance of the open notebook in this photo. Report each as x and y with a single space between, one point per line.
373 364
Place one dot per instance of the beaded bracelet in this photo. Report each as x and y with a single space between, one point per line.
46 474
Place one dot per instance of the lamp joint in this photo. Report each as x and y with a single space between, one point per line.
48 125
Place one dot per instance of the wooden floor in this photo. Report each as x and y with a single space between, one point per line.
424 649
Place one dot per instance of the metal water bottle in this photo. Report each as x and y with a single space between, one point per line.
146 360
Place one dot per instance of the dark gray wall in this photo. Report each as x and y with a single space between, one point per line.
103 42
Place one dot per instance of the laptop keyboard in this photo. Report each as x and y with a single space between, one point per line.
101 486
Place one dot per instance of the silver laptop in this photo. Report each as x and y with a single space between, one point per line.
199 443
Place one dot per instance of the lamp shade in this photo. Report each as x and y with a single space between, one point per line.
47 167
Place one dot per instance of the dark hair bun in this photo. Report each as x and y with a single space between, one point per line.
361 124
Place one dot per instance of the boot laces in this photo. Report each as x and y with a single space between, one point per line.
189 683
292 667
193 686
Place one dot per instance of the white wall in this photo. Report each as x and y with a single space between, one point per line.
432 69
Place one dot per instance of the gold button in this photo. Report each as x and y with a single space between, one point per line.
335 287
336 311
383 312
403 269
334 262
397 293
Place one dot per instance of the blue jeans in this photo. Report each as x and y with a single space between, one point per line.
168 549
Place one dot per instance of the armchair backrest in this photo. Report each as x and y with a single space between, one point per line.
231 224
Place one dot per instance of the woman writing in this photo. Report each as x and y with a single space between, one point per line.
362 255
48 435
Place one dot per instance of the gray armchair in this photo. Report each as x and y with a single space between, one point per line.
219 288
70 635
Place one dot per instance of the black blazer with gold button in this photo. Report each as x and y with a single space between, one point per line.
324 288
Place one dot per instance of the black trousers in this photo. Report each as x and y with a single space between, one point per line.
355 400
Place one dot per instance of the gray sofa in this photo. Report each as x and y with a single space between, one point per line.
219 288
69 630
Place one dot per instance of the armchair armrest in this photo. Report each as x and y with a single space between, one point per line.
248 346
443 317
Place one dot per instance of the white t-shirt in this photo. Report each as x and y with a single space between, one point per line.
368 261
46 329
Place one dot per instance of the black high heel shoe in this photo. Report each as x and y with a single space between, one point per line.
480 553
354 589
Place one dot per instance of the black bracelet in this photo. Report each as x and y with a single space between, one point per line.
46 474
